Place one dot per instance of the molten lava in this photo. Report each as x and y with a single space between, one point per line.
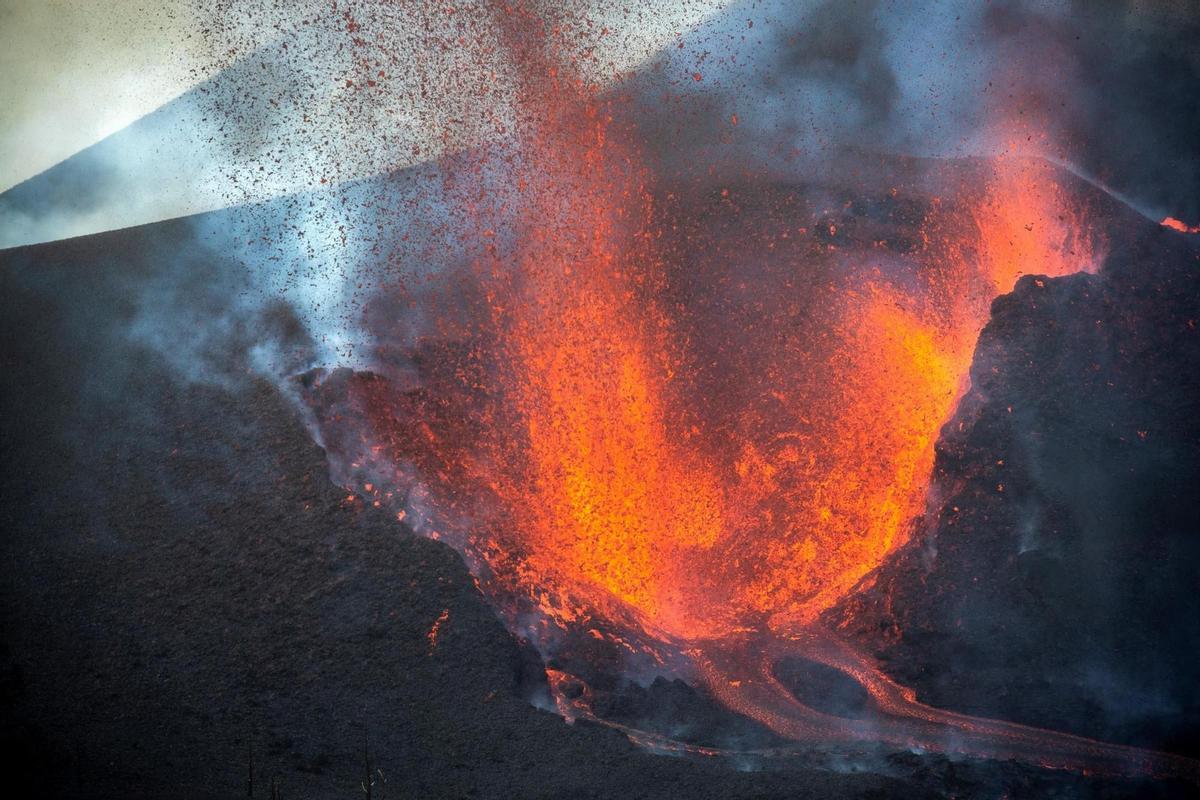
1179 225
637 501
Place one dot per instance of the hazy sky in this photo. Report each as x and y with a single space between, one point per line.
74 71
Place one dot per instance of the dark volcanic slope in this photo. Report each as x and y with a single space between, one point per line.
182 583
1056 580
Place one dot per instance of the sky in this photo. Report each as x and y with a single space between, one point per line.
1114 79
75 71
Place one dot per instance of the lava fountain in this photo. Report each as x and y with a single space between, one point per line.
690 437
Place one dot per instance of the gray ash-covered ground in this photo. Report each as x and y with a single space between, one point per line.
184 586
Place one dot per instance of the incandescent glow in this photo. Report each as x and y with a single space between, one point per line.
698 515
1179 225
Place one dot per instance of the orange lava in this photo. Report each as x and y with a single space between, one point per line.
853 471
1029 226
629 505
1179 225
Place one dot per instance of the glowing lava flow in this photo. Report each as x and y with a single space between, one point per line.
741 674
740 671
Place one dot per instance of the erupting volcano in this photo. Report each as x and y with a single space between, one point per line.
688 420
522 390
